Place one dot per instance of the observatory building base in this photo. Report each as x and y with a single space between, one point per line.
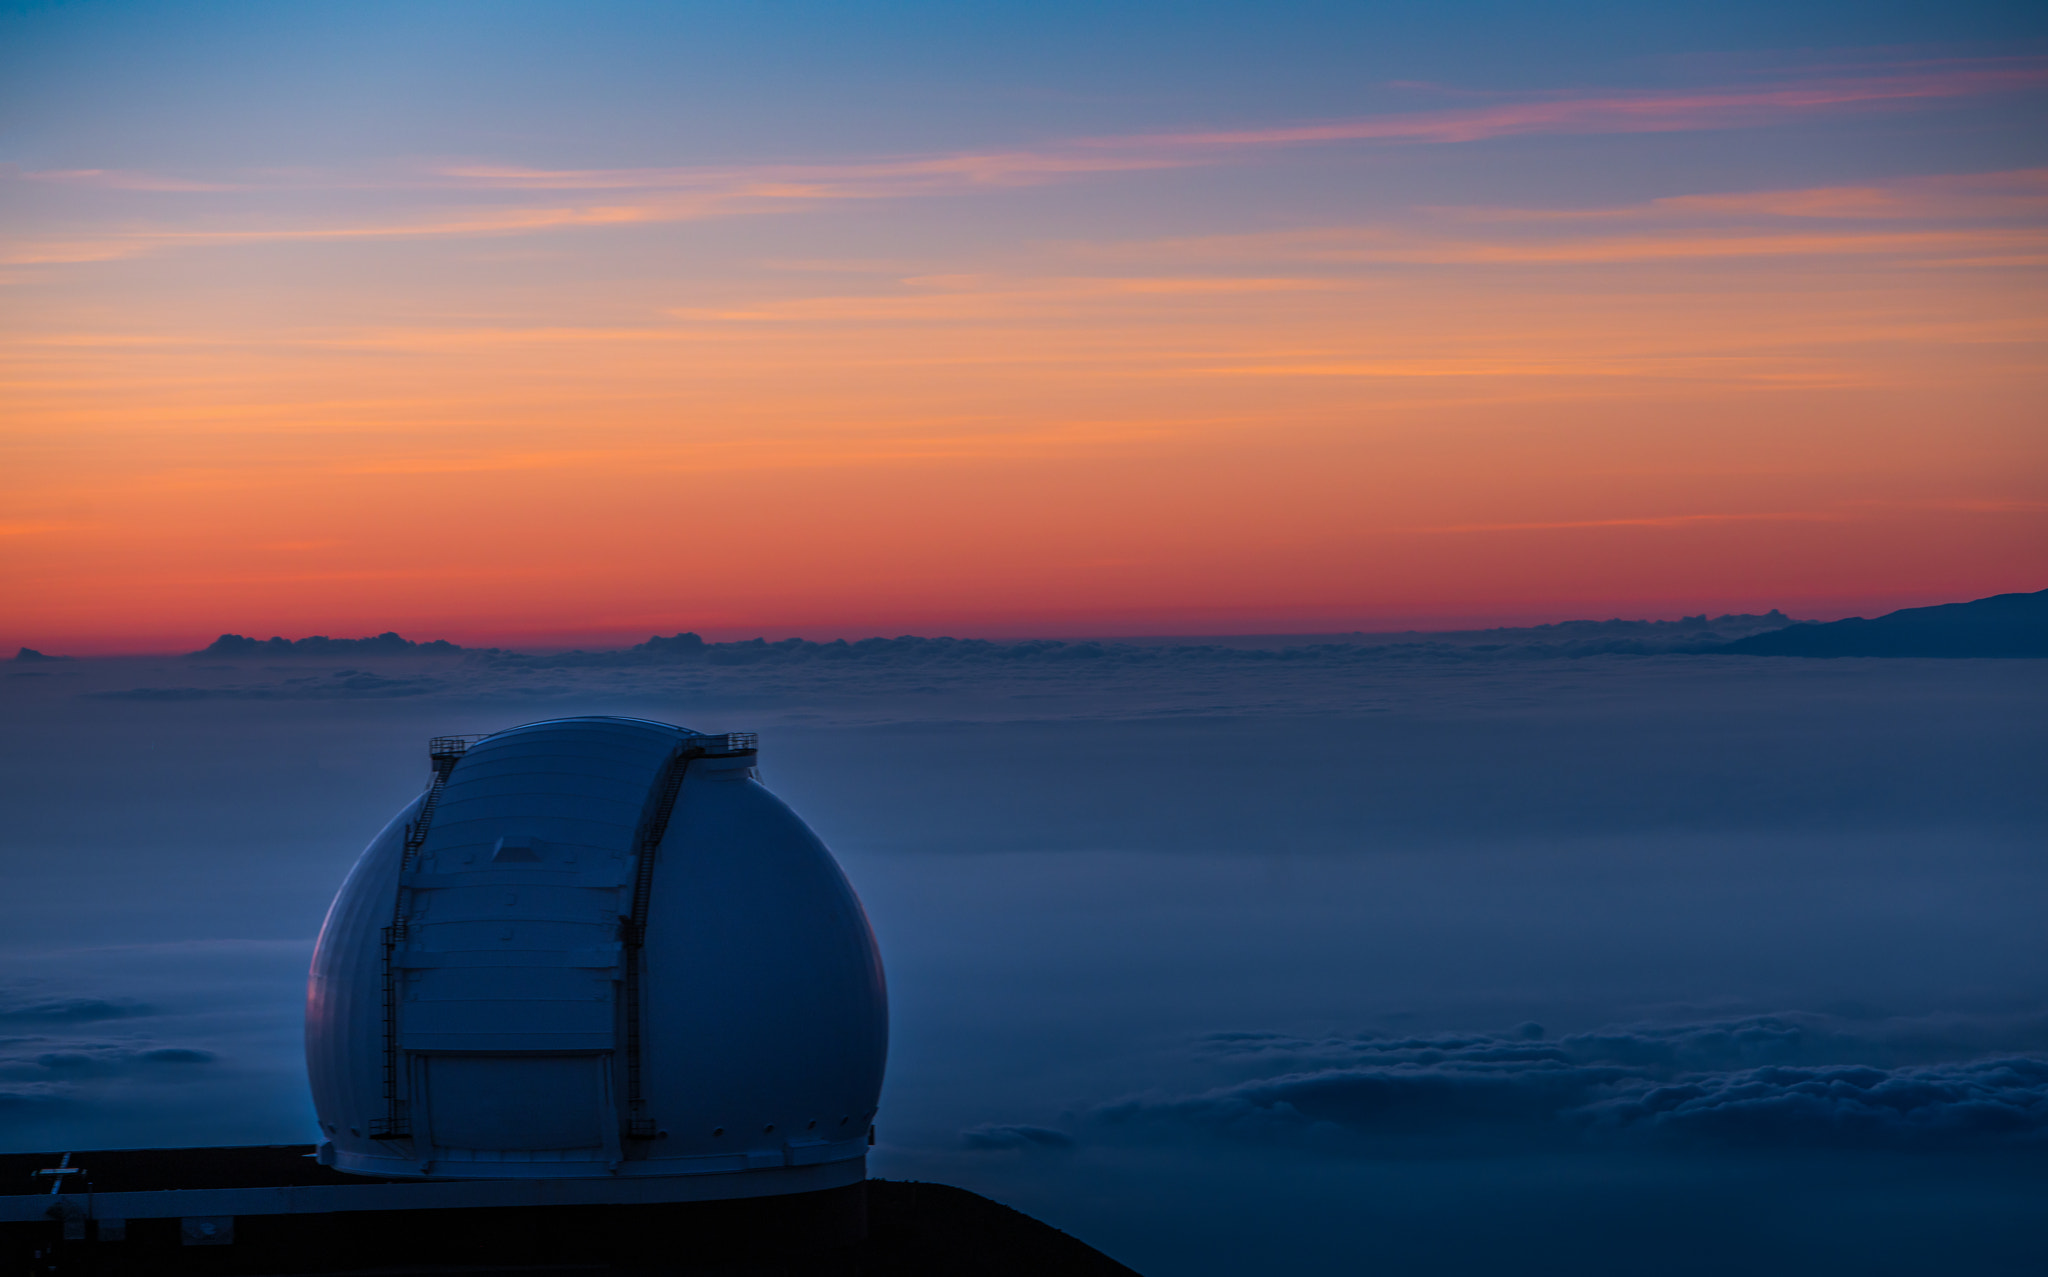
275 1210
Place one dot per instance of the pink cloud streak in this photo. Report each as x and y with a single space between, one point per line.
682 193
1628 113
1607 113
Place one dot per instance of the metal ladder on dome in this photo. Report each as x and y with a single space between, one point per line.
443 752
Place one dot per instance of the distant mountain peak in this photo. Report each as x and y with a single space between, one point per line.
2003 625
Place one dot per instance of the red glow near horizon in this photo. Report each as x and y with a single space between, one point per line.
524 420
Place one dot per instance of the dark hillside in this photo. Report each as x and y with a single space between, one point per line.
936 1230
2002 625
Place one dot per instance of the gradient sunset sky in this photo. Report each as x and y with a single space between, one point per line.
570 323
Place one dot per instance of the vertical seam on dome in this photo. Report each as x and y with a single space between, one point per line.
633 925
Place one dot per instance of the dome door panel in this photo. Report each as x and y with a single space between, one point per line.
518 1103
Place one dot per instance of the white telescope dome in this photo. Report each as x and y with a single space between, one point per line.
598 947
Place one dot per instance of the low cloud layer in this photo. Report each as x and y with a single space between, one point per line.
1080 864
801 669
1563 639
65 1010
205 1052
993 1136
1740 1083
756 669
340 685
46 1073
50 1044
91 1060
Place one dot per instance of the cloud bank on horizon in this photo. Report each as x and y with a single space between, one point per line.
560 324
1207 953
2005 625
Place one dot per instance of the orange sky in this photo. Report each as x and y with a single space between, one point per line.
543 405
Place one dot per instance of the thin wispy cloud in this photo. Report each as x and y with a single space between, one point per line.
1651 521
1558 113
1391 244
693 192
508 222
110 179
2015 193
38 527
1695 247
1652 112
877 179
954 298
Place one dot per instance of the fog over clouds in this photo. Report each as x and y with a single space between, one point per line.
193 1048
338 685
991 1135
51 1011
1427 954
1661 1082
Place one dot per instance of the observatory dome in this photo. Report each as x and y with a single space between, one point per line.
597 947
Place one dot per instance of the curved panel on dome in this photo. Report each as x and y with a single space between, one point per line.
344 994
757 944
595 946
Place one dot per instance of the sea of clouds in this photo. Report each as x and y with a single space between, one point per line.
1758 1081
1323 955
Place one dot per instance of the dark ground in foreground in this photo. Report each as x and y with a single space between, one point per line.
911 1229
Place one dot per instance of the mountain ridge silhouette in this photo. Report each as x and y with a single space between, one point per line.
2001 625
